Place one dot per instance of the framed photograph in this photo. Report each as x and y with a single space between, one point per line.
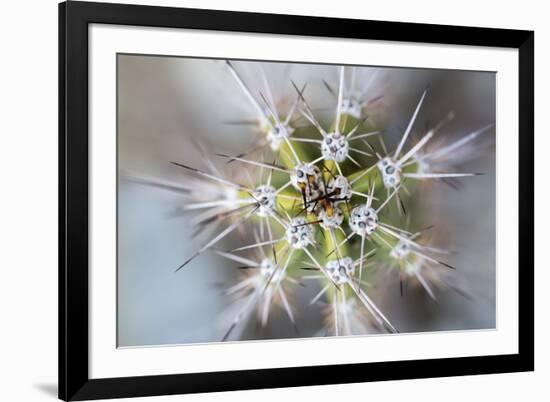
259 201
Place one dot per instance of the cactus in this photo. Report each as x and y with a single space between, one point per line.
326 202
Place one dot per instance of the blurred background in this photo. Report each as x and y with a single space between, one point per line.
164 102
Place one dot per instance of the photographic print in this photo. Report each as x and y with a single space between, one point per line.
257 201
264 200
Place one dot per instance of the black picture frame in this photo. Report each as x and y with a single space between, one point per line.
74 18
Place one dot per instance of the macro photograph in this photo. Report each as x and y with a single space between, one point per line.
264 200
